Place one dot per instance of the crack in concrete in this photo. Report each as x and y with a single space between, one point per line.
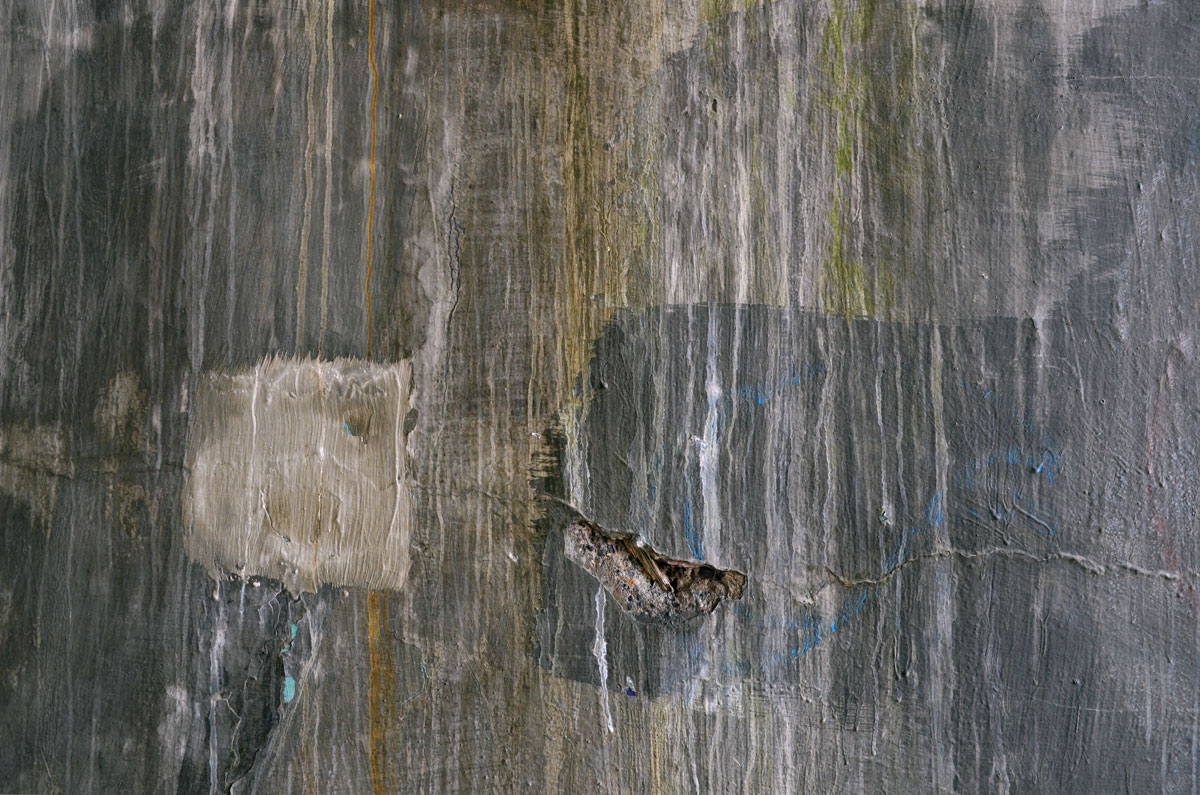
1084 562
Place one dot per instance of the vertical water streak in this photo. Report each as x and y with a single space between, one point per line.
600 651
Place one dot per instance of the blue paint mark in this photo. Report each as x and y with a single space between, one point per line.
810 630
424 685
287 647
689 531
1047 463
759 395
289 689
935 510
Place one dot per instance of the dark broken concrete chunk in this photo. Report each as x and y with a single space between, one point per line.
647 585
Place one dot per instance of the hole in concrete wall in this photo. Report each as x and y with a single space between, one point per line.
647 585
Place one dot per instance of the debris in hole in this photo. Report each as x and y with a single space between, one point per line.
647 585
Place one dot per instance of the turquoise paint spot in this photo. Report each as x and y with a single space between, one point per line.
287 647
289 688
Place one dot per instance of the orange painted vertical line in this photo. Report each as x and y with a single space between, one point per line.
371 205
376 635
389 687
381 673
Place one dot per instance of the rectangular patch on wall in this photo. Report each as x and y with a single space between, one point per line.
298 472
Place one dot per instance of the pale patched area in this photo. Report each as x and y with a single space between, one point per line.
298 473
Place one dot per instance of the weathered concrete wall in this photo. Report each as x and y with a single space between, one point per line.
889 306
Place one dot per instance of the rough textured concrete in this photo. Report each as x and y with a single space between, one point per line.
649 586
889 306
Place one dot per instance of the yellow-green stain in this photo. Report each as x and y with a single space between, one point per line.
845 287
865 104
715 9
844 160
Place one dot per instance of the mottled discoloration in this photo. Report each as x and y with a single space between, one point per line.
649 586
119 413
33 463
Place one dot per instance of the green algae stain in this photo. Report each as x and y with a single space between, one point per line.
715 9
867 115
844 283
711 10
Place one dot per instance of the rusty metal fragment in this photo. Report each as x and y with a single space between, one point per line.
647 585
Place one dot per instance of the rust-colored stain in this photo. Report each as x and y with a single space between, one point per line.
371 200
381 655
381 691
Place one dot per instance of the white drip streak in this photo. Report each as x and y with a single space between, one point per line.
600 651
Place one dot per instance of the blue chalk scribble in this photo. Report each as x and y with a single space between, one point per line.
690 534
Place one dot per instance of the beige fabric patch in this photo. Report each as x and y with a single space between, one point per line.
298 472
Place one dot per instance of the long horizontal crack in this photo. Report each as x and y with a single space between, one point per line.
1083 562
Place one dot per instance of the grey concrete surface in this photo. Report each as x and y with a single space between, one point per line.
891 307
